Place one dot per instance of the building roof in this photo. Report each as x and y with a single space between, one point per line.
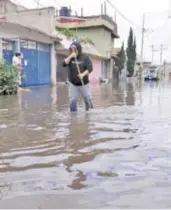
11 30
87 48
90 22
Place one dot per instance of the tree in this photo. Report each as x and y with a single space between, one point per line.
8 79
120 59
131 53
135 50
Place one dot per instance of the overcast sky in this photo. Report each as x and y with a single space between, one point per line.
156 17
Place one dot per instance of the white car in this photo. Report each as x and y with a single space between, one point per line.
152 73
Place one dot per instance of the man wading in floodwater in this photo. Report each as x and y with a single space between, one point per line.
78 83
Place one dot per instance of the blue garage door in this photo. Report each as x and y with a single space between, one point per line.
7 51
36 63
29 63
44 64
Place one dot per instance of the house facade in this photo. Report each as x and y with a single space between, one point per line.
102 30
24 32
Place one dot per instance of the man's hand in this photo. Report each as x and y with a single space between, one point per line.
82 75
73 55
68 59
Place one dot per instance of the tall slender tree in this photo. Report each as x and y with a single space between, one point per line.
135 50
120 59
131 53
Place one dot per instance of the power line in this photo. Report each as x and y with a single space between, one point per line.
131 22
39 4
142 39
162 48
18 3
121 14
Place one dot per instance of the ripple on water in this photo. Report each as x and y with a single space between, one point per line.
3 126
116 156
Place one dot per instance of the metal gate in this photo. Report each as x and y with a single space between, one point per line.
29 63
7 47
44 64
36 62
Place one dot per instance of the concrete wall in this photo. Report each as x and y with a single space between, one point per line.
93 21
6 5
10 30
101 38
42 19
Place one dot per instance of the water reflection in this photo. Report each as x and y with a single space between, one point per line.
114 148
130 94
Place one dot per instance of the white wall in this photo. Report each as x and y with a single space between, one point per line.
14 31
10 6
42 19
53 65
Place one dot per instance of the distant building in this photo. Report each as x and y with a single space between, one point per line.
167 70
146 64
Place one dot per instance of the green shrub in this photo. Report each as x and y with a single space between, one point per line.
8 79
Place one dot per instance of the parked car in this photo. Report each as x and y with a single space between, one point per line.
152 73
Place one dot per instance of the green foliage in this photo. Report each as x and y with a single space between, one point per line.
8 79
70 34
134 53
131 53
120 59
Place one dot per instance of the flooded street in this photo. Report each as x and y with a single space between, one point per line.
117 155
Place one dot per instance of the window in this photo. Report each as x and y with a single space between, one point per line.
28 44
7 45
43 47
23 44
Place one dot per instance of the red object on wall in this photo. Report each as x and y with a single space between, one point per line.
69 21
169 75
3 18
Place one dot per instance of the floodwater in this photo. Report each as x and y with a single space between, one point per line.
117 155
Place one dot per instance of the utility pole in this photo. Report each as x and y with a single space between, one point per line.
169 10
38 3
142 38
115 16
161 53
152 54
